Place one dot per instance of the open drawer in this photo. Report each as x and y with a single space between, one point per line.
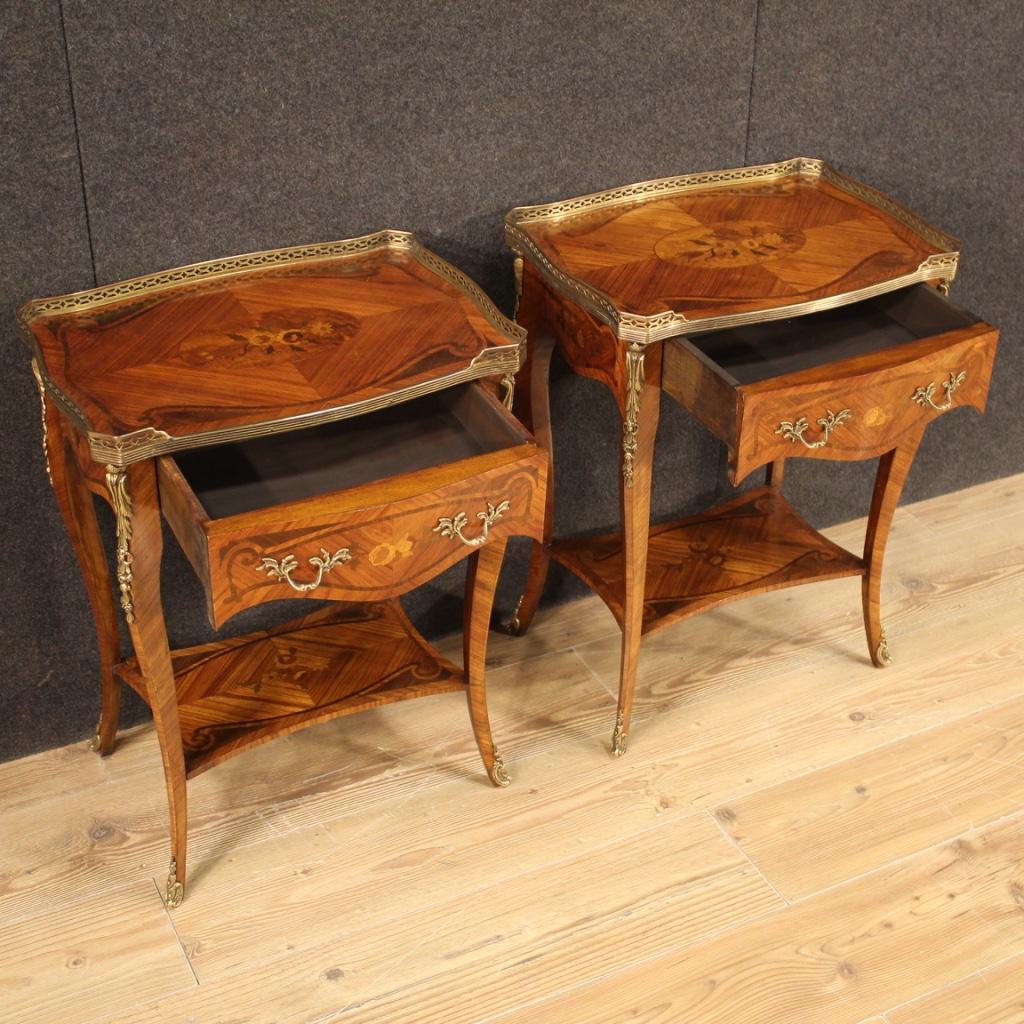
357 510
848 383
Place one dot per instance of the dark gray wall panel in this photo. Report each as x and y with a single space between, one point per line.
922 100
213 128
48 693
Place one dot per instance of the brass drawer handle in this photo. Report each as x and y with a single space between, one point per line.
452 527
325 562
795 431
923 396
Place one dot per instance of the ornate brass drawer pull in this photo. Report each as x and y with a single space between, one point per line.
452 527
795 431
325 562
923 396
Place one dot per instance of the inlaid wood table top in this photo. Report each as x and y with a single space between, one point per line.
265 342
706 251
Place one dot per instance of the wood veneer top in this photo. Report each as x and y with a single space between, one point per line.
706 251
262 343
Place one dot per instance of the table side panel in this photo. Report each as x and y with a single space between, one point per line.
701 388
590 347
185 516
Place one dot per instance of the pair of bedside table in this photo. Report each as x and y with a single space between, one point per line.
319 422
334 422
791 310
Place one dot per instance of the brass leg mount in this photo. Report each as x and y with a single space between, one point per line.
882 655
175 890
498 772
620 737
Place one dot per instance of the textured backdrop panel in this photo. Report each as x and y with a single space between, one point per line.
48 683
210 129
923 100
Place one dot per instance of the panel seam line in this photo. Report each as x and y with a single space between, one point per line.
78 144
750 89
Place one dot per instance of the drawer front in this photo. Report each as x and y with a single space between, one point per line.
377 551
863 415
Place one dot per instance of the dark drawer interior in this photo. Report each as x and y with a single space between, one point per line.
430 431
762 351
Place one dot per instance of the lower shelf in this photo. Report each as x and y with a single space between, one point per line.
235 694
753 543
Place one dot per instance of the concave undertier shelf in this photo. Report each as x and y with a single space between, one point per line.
237 693
755 542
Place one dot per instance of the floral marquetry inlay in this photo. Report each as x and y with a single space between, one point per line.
732 244
276 334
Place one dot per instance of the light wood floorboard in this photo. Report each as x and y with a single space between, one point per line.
793 837
994 995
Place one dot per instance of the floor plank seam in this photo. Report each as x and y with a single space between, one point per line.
451 644
711 936
622 969
593 675
174 929
999 821
743 853
811 655
987 969
86 894
866 751
499 883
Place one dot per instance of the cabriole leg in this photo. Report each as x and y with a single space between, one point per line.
482 571
534 411
893 468
640 410
133 491
77 507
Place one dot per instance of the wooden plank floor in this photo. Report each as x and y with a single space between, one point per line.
794 837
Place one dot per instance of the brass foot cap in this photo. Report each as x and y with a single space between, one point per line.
882 655
620 738
514 627
175 891
499 773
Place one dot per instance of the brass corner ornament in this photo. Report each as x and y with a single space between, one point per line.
517 272
175 891
324 563
42 404
882 655
620 737
795 431
513 627
508 382
452 526
117 484
631 423
498 772
924 396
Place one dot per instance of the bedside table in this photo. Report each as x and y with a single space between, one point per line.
795 312
317 422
